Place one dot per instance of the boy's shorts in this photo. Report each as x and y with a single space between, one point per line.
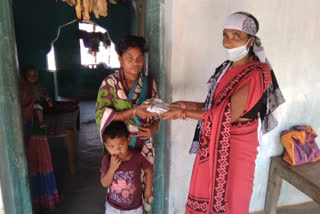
112 210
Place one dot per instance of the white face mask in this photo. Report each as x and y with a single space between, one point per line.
235 54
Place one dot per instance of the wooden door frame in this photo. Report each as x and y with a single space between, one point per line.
13 171
154 32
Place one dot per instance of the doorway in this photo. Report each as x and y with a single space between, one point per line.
18 177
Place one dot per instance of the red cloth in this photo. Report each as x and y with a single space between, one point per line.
223 171
39 155
125 191
43 185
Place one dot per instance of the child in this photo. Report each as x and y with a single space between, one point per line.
121 172
31 77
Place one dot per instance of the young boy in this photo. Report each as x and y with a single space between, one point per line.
121 172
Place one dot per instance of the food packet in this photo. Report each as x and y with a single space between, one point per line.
158 106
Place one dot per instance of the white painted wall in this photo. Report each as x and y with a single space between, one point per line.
1 203
193 34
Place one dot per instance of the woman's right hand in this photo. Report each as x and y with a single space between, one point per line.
192 106
172 114
183 104
141 111
114 163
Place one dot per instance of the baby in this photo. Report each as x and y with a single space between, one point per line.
30 75
121 172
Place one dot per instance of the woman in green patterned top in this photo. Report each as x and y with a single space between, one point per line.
121 95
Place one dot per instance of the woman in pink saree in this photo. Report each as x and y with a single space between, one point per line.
242 90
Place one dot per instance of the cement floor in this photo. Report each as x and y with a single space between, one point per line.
81 192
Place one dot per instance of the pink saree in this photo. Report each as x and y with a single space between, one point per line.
222 177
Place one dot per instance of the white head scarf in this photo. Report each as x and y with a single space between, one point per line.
247 23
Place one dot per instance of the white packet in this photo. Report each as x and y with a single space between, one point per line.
157 106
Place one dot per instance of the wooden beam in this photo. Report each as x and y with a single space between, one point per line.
13 171
273 190
140 10
304 177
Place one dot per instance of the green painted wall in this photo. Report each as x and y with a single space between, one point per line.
13 170
154 33
37 24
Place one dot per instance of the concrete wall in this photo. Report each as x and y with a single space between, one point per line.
193 36
1 203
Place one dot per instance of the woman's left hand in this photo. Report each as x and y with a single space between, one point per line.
141 111
172 114
147 131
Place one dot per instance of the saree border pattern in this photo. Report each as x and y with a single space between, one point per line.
217 142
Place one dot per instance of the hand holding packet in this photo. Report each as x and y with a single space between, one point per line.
158 106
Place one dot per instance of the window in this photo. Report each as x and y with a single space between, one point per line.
51 62
106 56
